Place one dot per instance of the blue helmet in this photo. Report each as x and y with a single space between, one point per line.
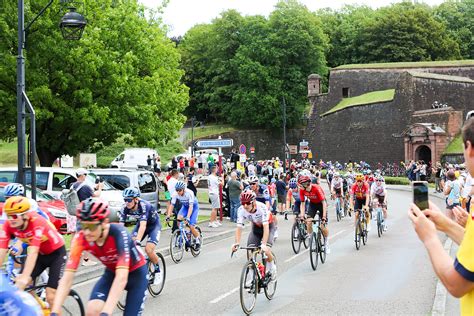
16 302
292 183
180 185
14 189
131 192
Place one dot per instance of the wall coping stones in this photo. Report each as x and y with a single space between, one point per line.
401 65
428 75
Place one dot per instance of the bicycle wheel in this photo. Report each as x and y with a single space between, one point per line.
357 234
271 285
338 211
248 287
304 235
313 251
364 231
195 252
73 305
295 238
157 276
379 224
177 246
322 246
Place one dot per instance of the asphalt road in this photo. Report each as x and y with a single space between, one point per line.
390 275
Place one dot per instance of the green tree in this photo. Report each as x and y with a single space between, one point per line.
458 16
121 78
405 32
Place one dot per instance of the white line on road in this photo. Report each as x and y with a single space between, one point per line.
304 251
220 298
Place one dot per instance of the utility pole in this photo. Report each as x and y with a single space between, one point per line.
284 134
192 136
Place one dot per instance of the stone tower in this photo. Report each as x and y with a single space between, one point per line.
314 85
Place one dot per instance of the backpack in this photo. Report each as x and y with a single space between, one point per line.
71 199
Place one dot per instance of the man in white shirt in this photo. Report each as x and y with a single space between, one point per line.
171 183
213 183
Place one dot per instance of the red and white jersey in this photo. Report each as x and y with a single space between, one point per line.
262 215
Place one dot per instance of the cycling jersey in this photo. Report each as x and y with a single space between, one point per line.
144 212
336 184
377 189
295 193
38 233
360 192
262 215
262 193
186 199
315 195
118 252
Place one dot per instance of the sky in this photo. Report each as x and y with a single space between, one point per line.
181 15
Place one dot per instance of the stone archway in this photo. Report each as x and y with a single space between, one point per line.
423 152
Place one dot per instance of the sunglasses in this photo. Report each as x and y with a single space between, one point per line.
247 203
359 181
15 216
378 180
90 226
128 200
179 190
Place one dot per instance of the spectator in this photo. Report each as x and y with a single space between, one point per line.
235 188
422 170
157 165
210 162
174 163
193 181
252 170
457 276
148 161
452 190
213 183
171 181
281 193
437 173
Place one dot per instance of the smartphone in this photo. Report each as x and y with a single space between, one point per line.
420 194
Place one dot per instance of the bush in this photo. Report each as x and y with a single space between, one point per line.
397 180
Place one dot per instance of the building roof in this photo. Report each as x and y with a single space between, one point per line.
429 75
314 76
421 64
373 97
435 129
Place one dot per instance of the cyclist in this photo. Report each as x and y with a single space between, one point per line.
378 192
359 200
262 195
263 227
17 189
317 204
189 209
45 245
125 265
148 220
337 189
329 176
294 193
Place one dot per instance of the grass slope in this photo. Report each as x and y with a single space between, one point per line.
421 64
455 146
209 130
363 99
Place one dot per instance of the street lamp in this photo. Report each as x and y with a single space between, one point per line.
72 26
194 124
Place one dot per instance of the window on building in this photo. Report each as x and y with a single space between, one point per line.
345 92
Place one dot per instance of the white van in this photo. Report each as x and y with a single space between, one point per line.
133 158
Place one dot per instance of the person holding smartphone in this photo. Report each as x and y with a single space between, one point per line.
456 275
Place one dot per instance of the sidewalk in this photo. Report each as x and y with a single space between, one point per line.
209 234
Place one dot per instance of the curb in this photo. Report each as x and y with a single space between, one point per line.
96 271
439 303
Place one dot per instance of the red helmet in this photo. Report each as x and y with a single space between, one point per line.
304 179
247 197
92 210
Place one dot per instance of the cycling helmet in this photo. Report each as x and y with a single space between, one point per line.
131 192
364 172
273 180
369 171
253 179
292 183
264 180
380 178
92 210
180 185
304 179
336 174
16 205
14 189
247 197
359 177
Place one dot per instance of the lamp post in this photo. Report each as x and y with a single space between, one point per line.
283 105
70 25
194 124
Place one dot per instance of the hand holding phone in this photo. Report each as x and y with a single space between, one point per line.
420 194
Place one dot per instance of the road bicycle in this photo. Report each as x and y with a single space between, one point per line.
182 239
346 204
339 210
72 306
254 278
360 229
378 208
317 243
156 277
299 234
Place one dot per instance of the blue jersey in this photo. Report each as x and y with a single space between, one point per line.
186 199
144 212
263 195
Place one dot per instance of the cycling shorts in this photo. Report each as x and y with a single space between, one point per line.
194 216
338 192
256 235
380 198
153 232
313 208
56 262
359 204
136 289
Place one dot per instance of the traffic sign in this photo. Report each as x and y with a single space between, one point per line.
242 149
303 143
293 149
252 150
214 143
242 158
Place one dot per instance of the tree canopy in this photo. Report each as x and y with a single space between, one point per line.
121 78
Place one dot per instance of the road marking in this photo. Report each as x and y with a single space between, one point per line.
439 303
223 296
304 251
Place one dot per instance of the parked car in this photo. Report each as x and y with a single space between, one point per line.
121 179
133 158
55 209
54 180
